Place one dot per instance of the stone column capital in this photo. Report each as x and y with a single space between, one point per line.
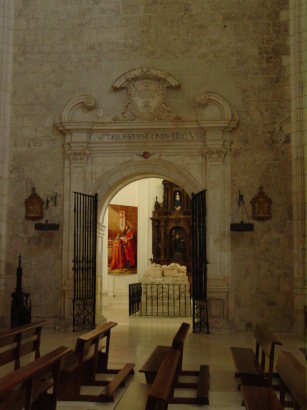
77 154
215 154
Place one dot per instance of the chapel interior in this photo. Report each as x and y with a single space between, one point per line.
153 174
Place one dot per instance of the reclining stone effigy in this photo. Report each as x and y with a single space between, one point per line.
165 291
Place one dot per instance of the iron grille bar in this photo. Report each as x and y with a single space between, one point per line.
199 263
84 262
144 298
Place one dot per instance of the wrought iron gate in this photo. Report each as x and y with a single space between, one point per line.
84 262
199 263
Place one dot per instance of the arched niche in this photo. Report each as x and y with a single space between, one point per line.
108 184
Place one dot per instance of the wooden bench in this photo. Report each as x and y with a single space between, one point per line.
20 341
152 365
85 362
292 379
249 367
26 388
260 398
140 396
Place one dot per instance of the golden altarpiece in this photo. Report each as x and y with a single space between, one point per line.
171 227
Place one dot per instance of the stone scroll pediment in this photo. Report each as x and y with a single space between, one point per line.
146 107
146 95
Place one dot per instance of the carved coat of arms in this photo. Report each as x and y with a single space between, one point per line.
146 95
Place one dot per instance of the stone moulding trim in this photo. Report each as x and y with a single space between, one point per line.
133 170
87 102
144 73
92 127
204 99
67 125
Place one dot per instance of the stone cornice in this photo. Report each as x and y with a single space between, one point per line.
92 127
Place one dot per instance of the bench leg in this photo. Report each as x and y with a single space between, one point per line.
88 372
45 401
102 363
69 386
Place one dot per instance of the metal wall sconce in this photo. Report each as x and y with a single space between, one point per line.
51 199
47 227
242 226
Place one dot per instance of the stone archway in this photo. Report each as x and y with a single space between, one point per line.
116 178
120 176
149 139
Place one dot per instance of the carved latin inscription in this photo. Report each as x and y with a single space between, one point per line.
173 135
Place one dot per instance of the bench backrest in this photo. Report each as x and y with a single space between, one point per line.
164 381
19 388
266 341
293 375
19 341
179 339
86 341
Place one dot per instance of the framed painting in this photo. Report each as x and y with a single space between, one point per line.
34 206
261 206
122 239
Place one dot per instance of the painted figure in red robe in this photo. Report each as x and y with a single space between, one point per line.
117 254
130 248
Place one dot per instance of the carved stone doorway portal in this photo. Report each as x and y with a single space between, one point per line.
149 140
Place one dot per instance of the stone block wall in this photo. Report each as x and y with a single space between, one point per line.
298 85
237 48
6 65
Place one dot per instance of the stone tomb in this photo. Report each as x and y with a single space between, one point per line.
165 291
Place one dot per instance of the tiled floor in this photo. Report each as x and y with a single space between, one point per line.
135 338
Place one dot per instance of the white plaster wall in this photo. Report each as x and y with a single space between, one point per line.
141 194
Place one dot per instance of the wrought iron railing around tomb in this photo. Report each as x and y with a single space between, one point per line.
152 299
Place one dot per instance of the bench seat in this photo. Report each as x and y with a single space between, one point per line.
245 361
135 390
27 387
260 398
293 379
151 366
153 396
85 362
250 365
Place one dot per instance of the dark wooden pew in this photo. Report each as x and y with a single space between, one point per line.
26 388
88 359
292 379
140 396
20 341
249 367
260 398
152 365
